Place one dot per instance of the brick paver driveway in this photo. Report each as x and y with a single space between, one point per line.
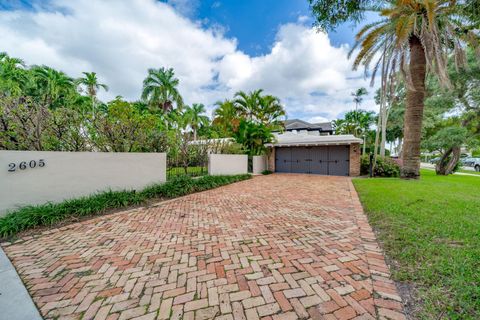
275 247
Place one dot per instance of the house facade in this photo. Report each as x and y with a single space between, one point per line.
313 149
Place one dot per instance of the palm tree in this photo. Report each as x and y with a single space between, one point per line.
225 116
53 85
357 99
414 37
13 76
195 117
271 111
248 104
90 81
358 96
160 89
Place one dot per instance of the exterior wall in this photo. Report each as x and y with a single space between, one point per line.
259 164
271 159
227 164
66 175
355 160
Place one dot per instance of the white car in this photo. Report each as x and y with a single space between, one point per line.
476 164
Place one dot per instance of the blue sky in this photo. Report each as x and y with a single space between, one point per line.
255 23
216 47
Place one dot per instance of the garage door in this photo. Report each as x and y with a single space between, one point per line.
331 160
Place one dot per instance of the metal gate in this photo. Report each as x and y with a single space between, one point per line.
327 160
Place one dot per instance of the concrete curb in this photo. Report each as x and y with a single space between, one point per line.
15 302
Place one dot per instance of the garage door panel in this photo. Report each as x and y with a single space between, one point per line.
283 160
338 160
300 160
319 160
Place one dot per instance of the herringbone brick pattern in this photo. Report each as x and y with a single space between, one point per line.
275 247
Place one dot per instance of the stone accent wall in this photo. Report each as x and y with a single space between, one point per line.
271 159
355 160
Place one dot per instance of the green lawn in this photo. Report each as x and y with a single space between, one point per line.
469 171
430 230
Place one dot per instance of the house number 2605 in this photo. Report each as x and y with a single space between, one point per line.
12 167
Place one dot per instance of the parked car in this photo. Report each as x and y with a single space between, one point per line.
467 161
476 164
435 160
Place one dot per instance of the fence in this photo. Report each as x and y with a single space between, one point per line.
36 177
191 157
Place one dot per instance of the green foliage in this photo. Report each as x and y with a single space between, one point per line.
429 229
446 138
384 167
266 172
51 213
331 13
253 136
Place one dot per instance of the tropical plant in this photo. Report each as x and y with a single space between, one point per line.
253 136
160 90
90 81
225 117
248 104
52 85
196 117
414 37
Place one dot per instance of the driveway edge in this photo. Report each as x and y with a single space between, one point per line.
15 302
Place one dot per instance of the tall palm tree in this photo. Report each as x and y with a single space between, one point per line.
53 85
196 117
358 96
90 81
357 99
415 37
160 89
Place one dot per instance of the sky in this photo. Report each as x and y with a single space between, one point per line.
216 47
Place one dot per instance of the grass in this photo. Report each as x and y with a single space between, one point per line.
51 213
430 230
191 171
469 171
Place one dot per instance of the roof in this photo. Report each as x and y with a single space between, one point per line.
297 124
289 139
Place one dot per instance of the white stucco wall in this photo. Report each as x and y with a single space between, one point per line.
259 164
67 175
227 164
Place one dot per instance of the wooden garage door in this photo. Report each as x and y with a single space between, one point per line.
331 160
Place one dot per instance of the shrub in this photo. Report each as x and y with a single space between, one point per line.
385 167
51 213
265 172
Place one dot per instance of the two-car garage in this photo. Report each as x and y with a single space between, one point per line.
337 155
325 160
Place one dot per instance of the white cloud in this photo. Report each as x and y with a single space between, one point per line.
120 40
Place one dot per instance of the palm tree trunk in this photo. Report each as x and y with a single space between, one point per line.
412 130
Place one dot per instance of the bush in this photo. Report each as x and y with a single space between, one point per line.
385 167
51 213
265 172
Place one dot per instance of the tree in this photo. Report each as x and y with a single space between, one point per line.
356 122
195 117
357 99
225 117
259 108
447 141
160 90
414 37
90 81
248 104
54 86
13 77
253 136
